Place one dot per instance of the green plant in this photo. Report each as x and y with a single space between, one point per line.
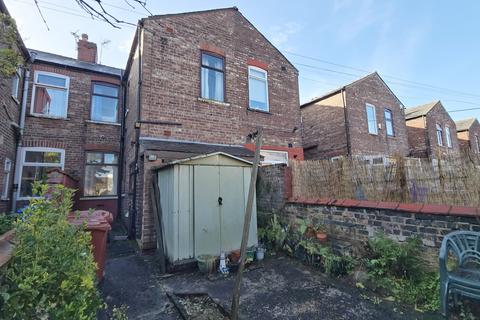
275 233
6 223
119 313
10 59
337 265
52 272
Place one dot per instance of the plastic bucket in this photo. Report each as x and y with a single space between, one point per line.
207 263
260 254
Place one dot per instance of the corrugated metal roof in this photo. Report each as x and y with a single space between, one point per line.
418 111
74 63
465 124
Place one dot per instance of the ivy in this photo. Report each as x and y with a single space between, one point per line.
10 59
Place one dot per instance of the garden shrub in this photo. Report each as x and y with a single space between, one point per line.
6 223
52 272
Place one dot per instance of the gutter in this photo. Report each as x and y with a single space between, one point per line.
18 147
122 148
133 216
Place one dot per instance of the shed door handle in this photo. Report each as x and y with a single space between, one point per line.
220 201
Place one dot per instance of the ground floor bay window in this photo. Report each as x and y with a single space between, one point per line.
101 174
36 163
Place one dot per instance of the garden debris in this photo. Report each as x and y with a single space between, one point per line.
197 306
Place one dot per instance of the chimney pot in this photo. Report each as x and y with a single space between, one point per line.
87 51
84 36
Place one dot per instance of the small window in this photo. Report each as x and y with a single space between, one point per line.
50 92
372 119
212 77
477 143
36 164
104 102
16 83
101 174
274 157
7 169
389 122
258 89
439 135
448 137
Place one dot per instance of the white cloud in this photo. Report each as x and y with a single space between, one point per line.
280 35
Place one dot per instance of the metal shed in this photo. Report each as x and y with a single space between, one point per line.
203 202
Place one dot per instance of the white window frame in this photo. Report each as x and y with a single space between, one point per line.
285 153
385 112
61 165
439 134
35 84
7 169
16 83
448 137
260 79
368 105
117 165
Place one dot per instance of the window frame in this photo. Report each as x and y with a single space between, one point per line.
448 137
388 111
477 143
103 152
216 55
266 87
34 89
439 134
92 94
24 151
16 84
369 105
277 152
6 179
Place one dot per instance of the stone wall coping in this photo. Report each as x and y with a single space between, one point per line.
421 208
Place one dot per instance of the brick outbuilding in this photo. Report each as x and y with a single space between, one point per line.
431 131
468 134
362 119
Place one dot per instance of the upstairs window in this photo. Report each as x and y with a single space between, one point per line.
439 135
212 77
101 174
477 143
448 137
36 163
389 122
104 102
371 119
50 95
16 83
258 89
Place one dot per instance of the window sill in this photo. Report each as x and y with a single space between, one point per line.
218 103
99 198
16 100
373 134
36 115
104 123
4 199
258 110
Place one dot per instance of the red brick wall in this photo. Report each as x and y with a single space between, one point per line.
373 90
171 87
466 139
75 134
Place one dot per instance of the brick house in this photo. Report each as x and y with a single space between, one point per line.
11 89
197 83
73 122
361 119
431 131
468 135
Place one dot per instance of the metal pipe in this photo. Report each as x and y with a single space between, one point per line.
122 148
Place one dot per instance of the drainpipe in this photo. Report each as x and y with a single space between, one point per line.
347 127
18 147
122 147
133 216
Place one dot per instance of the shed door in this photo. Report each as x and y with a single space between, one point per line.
206 220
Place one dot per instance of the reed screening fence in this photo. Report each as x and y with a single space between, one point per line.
452 181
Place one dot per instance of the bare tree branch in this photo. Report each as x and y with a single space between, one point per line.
98 11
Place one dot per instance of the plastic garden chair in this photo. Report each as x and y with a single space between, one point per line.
465 278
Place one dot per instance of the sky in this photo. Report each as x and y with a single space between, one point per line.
425 50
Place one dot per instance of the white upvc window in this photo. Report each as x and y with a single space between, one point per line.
389 122
439 135
101 174
257 89
16 83
50 94
274 157
448 137
35 164
371 119
7 169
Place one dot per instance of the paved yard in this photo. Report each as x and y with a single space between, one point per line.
280 288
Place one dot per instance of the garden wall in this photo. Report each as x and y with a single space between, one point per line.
272 184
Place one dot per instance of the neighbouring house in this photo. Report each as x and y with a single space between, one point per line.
11 95
468 134
200 83
431 131
361 119
73 122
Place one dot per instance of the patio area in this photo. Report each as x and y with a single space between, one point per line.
277 288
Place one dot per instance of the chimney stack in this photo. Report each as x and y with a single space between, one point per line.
87 51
